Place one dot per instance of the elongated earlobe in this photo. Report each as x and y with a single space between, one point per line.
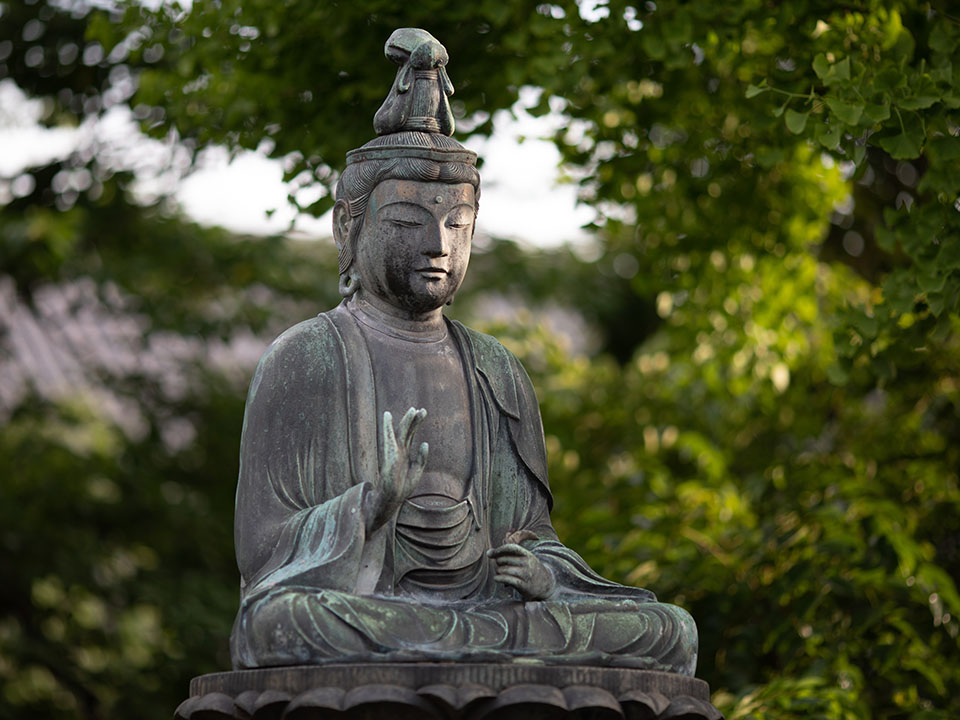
342 224
349 284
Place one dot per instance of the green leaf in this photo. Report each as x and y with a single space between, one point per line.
796 121
931 283
652 44
899 292
837 375
918 102
768 157
321 206
886 239
936 302
831 74
892 216
876 113
941 39
679 28
753 91
883 368
842 69
944 149
867 326
949 256
942 74
846 347
829 137
821 66
542 107
846 112
905 146
859 152
889 79
942 330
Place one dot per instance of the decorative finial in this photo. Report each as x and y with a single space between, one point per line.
418 98
415 121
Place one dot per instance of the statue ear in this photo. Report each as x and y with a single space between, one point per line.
342 226
341 222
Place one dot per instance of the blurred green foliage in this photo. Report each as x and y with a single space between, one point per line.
763 428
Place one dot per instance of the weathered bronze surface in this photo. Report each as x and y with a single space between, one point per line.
448 691
393 501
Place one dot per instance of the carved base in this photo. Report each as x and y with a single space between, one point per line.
447 691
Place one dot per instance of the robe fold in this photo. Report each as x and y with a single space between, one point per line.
315 587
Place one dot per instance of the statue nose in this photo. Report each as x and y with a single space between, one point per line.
437 241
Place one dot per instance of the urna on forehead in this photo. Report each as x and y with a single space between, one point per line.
435 197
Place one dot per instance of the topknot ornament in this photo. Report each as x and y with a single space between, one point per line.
418 99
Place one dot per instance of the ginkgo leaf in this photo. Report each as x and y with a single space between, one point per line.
796 121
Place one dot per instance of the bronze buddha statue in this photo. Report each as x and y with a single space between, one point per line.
393 500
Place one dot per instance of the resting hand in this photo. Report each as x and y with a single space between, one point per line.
521 569
401 469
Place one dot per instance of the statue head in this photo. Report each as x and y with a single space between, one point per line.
414 126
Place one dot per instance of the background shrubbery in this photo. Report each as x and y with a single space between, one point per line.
762 424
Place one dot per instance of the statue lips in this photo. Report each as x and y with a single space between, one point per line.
433 272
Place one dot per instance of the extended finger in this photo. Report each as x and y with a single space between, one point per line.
415 422
418 463
389 440
508 550
415 468
409 424
404 425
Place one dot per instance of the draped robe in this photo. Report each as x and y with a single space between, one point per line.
315 587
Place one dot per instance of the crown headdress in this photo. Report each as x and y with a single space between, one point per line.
417 102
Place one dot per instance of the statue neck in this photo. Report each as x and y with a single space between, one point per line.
383 317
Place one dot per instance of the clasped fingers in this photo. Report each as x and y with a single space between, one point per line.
519 568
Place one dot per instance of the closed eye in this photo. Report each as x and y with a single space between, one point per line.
406 223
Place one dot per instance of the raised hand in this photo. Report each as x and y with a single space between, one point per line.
521 569
401 469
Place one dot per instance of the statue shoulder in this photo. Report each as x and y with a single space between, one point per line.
305 353
485 345
302 341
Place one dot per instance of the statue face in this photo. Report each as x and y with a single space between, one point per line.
414 246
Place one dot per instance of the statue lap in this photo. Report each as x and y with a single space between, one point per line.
293 626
